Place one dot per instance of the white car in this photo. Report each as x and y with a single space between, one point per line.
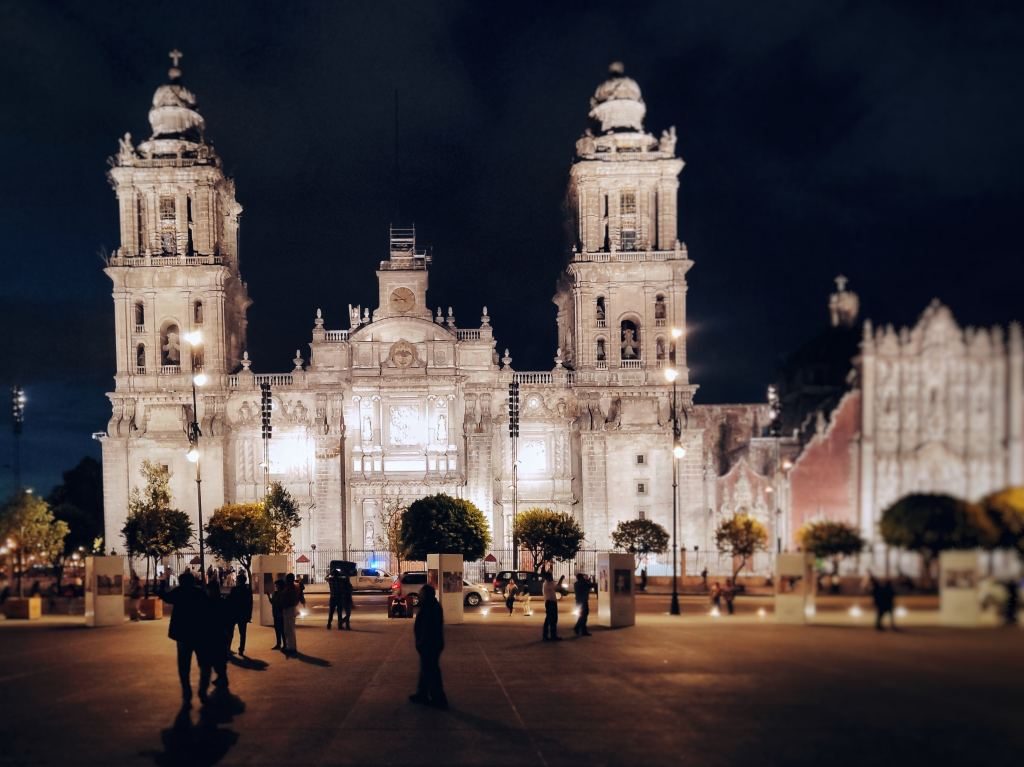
363 578
409 585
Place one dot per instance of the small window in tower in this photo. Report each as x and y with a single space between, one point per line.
140 360
170 345
197 313
140 317
599 310
641 514
641 459
641 488
197 358
659 348
628 202
629 343
600 351
166 208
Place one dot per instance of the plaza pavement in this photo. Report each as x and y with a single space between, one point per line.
690 690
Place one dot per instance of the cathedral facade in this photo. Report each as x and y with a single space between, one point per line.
404 401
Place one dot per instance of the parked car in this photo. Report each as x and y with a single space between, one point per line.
409 585
363 578
529 582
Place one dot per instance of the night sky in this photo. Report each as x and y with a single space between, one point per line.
883 141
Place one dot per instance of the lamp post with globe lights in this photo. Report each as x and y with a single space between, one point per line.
195 339
678 451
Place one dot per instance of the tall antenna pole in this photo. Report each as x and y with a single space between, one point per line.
18 424
397 171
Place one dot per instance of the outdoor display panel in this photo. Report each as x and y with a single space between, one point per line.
444 573
794 587
959 588
104 591
616 600
267 568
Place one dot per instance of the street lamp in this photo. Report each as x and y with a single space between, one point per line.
199 378
678 451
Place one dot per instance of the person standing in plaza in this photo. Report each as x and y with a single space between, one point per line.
345 611
716 596
334 603
550 628
217 630
884 597
429 634
582 591
240 600
511 589
278 613
290 598
729 595
186 628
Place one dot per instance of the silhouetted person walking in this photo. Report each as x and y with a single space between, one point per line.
188 619
729 595
345 614
277 611
582 591
217 630
240 600
884 598
429 632
1012 602
550 629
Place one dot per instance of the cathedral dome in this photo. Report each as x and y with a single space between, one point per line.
174 112
617 103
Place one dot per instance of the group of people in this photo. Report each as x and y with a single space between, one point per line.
203 624
726 593
288 594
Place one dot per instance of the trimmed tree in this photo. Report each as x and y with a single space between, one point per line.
548 535
442 524
929 524
284 514
831 540
26 520
389 537
741 537
78 501
640 537
153 528
1005 512
239 531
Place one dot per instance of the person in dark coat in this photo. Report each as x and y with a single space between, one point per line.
219 627
187 625
510 595
275 609
345 612
582 591
240 600
429 632
334 605
884 598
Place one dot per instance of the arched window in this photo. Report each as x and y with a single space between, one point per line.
140 316
197 313
170 344
600 351
629 340
659 348
197 357
660 311
599 311
140 359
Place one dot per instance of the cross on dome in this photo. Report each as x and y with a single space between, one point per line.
176 56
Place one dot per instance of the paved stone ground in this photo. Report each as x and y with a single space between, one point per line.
690 691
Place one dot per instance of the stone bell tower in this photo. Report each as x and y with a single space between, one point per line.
176 269
624 290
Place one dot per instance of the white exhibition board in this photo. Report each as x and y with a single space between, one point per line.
794 587
616 600
267 568
444 573
104 591
959 588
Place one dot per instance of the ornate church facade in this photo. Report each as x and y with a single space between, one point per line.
404 402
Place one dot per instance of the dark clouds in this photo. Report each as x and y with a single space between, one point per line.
881 140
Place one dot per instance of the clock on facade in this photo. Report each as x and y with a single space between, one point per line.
402 299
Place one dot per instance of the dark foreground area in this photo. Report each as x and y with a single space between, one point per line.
691 691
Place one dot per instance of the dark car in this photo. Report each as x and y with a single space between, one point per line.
344 567
530 582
